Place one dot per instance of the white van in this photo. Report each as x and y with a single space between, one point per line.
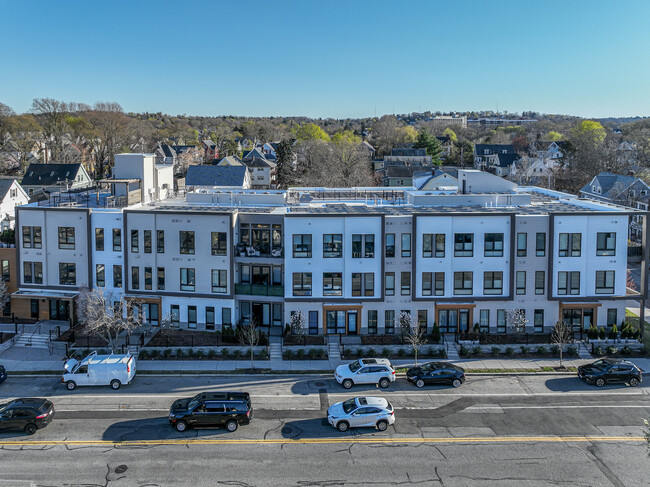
99 370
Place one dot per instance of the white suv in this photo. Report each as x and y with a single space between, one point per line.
361 412
366 371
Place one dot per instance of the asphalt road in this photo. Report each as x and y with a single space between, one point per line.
523 430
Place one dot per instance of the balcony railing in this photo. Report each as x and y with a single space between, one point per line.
259 290
242 250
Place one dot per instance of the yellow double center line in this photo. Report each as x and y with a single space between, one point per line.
324 441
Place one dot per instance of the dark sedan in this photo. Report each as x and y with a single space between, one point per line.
436 373
27 414
610 370
3 374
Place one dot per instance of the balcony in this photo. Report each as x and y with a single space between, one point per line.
242 250
259 290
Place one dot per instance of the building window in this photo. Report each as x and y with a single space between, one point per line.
302 283
67 274
117 276
369 246
135 241
439 284
333 245
313 322
6 274
612 317
389 322
368 284
405 283
277 275
540 244
175 314
226 316
147 241
209 318
604 282
522 244
27 237
463 245
501 321
389 284
191 316
66 237
406 245
160 278
493 245
568 283
135 277
148 278
427 245
218 243
99 239
100 277
34 308
390 245
463 283
187 279
356 284
117 240
484 320
363 246
186 242
219 284
521 282
372 322
540 282
302 246
427 283
492 283
332 284
28 272
423 320
570 244
538 320
606 243
160 241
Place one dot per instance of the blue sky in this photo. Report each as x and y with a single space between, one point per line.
330 58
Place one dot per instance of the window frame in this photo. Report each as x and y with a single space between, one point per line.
99 239
605 250
522 244
520 289
491 279
219 243
160 241
135 241
100 275
540 250
160 278
66 238
303 289
463 244
602 276
391 254
330 287
117 240
187 279
186 242
221 281
405 283
405 245
332 245
461 276
495 247
70 265
301 241
389 291
540 290
117 276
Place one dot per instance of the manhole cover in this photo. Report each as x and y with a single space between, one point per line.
286 430
320 383
121 469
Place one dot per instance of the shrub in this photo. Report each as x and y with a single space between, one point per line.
211 354
371 352
476 328
613 333
624 333
599 351
262 354
225 353
541 351
300 354
385 352
180 353
287 355
464 351
626 351
476 350
495 351
612 350
401 353
572 351
555 350
442 353
167 353
144 354
435 334
312 353
199 354
236 353
524 350
509 351
602 334
592 332
155 354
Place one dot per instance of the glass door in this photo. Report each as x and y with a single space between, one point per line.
463 319
352 322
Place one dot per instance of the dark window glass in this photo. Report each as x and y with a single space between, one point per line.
570 244
313 322
463 244
100 277
160 278
521 282
493 245
427 284
332 284
538 321
219 284
67 274
37 240
191 316
135 241
357 243
439 289
368 284
406 245
99 239
27 237
302 283
117 276
390 245
405 282
427 245
463 283
612 317
302 246
369 246
66 237
540 282
484 321
219 243
6 274
604 282
440 245
187 279
186 242
540 244
147 241
389 322
27 272
606 243
135 277
160 241
389 284
501 321
175 313
117 240
356 284
333 245
372 322
522 244
209 318
492 283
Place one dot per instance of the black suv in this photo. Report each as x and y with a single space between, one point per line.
28 414
610 370
229 409
436 373
3 374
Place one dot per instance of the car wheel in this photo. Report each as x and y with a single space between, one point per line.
600 382
71 385
634 382
347 383
30 428
115 384
419 383
342 426
384 383
181 426
456 383
382 425
232 425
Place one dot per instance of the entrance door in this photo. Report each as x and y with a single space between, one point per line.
261 313
150 313
59 309
352 323
573 318
463 319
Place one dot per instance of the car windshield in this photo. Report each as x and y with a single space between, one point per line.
349 405
426 368
193 403
354 366
2 406
389 406
600 365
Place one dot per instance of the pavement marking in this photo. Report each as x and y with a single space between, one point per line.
284 441
583 406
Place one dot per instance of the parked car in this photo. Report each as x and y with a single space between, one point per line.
366 371
436 373
3 374
361 412
610 370
99 370
27 414
229 409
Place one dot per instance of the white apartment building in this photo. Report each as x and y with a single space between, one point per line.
350 259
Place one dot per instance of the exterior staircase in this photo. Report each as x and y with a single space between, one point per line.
275 350
450 344
33 341
583 350
333 350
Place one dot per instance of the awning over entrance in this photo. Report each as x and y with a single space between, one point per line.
36 294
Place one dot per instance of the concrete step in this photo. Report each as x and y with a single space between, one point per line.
333 351
33 341
275 351
452 353
584 351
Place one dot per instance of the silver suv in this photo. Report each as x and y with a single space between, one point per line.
361 412
366 371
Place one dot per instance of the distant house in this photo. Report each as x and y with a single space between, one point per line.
11 195
485 154
503 164
399 176
263 170
228 161
550 150
210 150
439 179
408 157
218 176
367 146
165 154
446 144
268 149
48 178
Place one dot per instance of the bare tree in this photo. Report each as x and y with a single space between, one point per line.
109 133
524 170
516 320
297 323
5 297
106 316
560 336
250 336
412 333
51 115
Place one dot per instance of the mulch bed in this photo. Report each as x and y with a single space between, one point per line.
172 338
5 337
